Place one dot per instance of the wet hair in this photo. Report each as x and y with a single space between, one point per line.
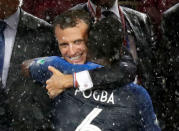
105 39
71 18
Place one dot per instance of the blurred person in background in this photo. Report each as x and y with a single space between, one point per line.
22 36
156 10
169 58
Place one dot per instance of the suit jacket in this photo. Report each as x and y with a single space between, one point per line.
140 28
169 59
28 103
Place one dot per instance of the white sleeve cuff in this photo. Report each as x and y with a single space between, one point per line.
84 80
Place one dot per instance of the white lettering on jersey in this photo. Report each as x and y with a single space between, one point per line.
86 123
87 96
76 91
96 96
111 98
102 96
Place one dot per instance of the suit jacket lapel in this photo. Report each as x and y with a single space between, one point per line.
135 28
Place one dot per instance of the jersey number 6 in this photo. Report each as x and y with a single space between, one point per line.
85 124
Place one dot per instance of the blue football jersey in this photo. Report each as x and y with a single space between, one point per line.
127 108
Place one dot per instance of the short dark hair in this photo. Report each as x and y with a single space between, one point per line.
105 39
71 18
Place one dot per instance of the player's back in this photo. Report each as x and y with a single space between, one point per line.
120 108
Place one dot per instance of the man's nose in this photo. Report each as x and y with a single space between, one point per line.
72 50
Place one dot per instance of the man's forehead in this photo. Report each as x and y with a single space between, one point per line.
79 25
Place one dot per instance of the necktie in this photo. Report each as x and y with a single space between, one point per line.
2 46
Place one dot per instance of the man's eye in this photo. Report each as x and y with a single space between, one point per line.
63 45
78 42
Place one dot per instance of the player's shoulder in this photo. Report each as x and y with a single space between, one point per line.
135 89
138 92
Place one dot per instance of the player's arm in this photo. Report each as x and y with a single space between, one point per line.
37 68
56 82
121 72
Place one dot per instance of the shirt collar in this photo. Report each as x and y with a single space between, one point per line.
12 21
114 8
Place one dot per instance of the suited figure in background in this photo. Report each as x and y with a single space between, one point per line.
23 36
169 59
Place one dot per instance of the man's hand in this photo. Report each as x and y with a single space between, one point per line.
58 82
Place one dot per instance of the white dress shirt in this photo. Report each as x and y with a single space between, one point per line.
9 35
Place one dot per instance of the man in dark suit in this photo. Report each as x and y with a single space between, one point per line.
25 37
169 59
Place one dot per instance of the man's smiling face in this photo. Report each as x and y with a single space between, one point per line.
72 42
